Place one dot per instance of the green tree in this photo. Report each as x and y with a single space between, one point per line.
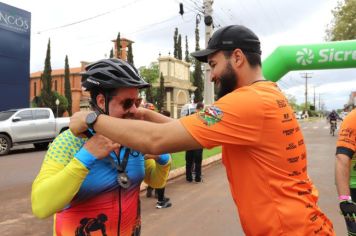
179 45
175 39
187 58
293 102
309 108
150 75
111 53
67 87
47 72
130 54
35 101
62 106
198 74
161 93
343 26
118 46
46 98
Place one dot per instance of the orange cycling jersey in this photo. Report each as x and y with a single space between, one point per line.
264 155
347 135
346 143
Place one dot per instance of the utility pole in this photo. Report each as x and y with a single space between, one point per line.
306 76
208 20
314 98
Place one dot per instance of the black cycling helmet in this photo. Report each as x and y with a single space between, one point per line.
107 75
111 74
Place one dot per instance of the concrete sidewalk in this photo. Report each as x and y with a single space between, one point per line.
181 171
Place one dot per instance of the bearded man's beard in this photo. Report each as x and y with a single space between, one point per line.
228 81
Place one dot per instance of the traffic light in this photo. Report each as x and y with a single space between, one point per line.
181 10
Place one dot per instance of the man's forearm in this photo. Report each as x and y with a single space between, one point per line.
342 174
131 133
156 117
146 137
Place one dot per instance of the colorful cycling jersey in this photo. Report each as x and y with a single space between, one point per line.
83 191
346 143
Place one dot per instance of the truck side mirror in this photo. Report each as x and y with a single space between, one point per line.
16 119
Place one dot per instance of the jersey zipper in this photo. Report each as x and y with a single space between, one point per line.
120 213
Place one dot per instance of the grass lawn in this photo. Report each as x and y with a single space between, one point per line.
179 157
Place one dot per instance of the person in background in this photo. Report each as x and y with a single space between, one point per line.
91 184
345 170
194 158
150 190
162 201
333 117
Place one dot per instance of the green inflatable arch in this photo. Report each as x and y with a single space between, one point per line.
331 55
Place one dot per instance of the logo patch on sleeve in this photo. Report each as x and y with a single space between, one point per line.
210 115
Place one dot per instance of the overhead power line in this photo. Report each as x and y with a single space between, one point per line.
193 6
150 26
189 6
198 5
87 19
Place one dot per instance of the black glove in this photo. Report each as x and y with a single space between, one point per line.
348 210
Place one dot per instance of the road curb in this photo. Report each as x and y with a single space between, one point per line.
181 171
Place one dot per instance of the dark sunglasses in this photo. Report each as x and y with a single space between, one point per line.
127 103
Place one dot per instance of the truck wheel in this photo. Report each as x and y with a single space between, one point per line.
5 144
41 146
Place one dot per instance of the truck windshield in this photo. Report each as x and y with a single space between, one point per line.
4 115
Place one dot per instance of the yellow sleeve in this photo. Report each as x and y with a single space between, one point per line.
156 175
60 177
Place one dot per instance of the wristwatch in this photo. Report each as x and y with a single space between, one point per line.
91 119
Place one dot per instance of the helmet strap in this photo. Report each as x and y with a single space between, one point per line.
96 107
106 95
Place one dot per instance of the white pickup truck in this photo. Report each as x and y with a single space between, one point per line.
29 125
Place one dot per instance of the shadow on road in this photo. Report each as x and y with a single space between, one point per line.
23 149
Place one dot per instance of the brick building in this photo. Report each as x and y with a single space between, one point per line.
78 96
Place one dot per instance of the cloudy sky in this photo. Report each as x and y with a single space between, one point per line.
83 30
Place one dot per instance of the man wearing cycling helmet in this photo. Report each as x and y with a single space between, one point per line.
91 183
263 147
333 117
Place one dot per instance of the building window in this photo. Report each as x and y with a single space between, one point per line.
34 89
55 85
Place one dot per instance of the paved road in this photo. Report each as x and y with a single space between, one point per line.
198 209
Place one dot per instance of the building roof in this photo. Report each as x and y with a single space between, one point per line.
123 39
73 70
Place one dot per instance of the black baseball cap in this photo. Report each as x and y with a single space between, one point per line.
230 38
